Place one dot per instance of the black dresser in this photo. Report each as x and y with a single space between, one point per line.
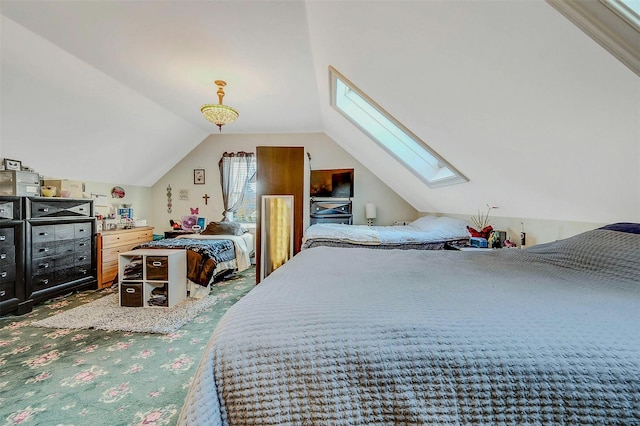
49 250
12 284
331 211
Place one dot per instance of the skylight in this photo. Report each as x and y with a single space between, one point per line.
390 134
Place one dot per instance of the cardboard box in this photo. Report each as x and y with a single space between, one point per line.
75 188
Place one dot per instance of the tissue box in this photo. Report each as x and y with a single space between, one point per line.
75 188
139 222
478 242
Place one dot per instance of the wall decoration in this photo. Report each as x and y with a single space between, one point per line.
169 205
198 176
194 211
184 194
117 192
12 164
188 222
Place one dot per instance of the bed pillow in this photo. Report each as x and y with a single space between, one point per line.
224 228
444 224
631 228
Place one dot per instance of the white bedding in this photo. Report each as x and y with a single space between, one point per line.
427 229
543 336
243 245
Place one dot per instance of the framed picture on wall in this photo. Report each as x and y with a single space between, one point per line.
198 176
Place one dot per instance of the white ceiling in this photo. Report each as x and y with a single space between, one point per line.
110 91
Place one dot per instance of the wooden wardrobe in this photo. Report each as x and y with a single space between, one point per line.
280 171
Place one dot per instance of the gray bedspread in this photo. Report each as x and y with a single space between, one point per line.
544 336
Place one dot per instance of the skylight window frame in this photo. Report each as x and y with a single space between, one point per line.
442 164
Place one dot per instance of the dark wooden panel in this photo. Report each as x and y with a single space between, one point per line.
280 171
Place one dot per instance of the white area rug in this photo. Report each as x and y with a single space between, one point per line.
106 314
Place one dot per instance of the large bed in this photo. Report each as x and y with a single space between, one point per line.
424 233
548 335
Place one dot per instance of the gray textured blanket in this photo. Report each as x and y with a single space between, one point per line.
549 335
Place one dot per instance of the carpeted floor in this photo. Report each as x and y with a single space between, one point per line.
93 377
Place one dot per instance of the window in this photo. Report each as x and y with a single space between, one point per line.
390 134
247 211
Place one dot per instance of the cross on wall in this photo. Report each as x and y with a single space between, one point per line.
206 199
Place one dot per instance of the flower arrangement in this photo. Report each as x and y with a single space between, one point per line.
481 222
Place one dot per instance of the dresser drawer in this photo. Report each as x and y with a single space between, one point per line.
157 268
7 290
7 254
7 272
111 254
10 208
122 238
57 207
109 271
65 231
6 237
42 233
43 266
43 249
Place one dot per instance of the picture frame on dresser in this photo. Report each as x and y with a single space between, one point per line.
12 164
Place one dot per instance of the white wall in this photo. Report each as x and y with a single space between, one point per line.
325 154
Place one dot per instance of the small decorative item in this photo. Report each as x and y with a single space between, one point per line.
202 222
48 191
194 211
481 221
188 222
198 176
169 205
117 192
12 164
184 194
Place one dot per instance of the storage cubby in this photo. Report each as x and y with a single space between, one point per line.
152 277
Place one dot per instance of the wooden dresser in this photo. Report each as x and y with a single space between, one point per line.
110 244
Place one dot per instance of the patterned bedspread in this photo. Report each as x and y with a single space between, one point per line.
543 336
203 256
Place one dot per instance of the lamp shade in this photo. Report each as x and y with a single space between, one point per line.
370 211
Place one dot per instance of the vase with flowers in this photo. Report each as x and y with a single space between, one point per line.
482 225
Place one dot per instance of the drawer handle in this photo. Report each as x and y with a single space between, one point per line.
82 271
45 281
42 234
130 290
82 244
3 237
3 211
3 274
82 258
2 293
44 250
44 210
156 263
3 256
81 230
44 265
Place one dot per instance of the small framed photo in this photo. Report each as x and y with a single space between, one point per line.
12 164
198 176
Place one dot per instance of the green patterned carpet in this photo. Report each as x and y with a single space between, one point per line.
90 377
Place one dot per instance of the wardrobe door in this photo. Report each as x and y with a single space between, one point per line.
280 171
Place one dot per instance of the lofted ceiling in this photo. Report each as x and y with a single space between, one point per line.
110 91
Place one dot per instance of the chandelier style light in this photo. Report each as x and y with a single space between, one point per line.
219 114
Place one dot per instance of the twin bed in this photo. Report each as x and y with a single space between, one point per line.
219 250
336 336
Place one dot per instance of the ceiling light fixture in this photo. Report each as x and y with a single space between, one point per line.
219 114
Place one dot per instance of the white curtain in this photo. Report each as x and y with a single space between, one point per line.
236 170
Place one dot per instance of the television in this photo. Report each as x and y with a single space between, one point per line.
333 183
